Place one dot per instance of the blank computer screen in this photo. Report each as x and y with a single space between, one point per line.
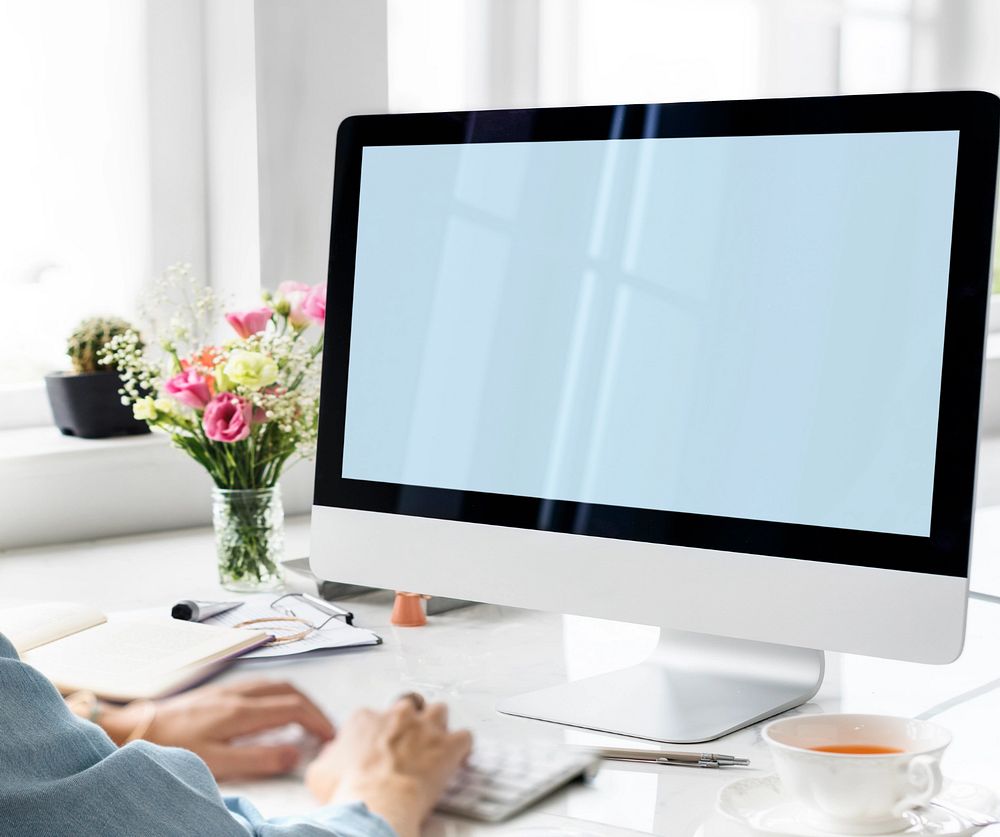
748 327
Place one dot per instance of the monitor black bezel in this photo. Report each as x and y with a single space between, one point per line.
975 115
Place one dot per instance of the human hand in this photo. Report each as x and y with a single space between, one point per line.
397 762
207 720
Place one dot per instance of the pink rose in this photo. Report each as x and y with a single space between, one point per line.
191 388
227 418
295 294
314 305
245 323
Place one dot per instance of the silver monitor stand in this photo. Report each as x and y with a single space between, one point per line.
692 688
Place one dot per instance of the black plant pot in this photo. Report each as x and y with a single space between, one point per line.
89 405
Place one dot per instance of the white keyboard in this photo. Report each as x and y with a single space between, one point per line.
500 779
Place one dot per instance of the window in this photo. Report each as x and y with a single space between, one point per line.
74 207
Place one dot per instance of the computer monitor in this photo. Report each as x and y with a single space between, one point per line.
709 366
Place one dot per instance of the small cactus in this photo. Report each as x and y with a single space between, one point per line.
85 343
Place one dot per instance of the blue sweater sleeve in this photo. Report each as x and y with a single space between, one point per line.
63 776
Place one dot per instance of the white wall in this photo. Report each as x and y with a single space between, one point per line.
176 132
956 44
317 61
230 150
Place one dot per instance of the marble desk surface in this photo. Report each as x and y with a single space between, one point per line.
470 657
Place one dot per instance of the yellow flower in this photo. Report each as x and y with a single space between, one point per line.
145 409
163 405
252 370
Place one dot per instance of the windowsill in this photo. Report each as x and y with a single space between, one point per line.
58 489
32 442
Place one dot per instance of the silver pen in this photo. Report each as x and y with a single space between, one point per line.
681 759
329 608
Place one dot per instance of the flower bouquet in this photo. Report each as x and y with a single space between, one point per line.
243 408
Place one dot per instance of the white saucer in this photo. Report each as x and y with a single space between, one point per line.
759 807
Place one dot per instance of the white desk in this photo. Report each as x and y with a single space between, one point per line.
471 656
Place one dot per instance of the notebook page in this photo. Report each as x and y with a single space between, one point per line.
32 625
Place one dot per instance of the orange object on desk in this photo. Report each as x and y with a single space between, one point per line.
408 610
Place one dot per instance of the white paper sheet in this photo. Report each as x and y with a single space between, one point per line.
335 634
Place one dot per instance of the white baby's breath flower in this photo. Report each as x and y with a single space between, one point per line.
144 409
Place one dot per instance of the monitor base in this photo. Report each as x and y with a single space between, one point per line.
692 688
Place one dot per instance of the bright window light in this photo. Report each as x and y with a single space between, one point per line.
74 207
656 52
874 54
430 67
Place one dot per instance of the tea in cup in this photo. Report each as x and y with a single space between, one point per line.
858 774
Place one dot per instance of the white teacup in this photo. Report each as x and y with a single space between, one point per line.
853 793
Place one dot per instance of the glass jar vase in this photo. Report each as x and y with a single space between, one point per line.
249 537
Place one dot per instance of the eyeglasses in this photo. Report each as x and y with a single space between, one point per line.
302 601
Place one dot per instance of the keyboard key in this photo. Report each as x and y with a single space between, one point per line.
500 780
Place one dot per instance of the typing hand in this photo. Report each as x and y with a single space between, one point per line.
208 720
398 762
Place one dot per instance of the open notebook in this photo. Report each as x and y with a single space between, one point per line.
77 648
